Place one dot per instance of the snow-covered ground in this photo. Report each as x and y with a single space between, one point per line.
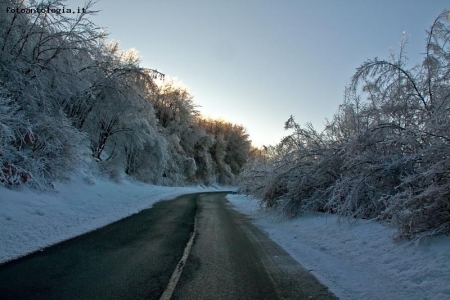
355 260
31 221
358 260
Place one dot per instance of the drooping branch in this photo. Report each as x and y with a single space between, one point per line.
375 67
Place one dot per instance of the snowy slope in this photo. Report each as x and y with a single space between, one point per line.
31 221
358 260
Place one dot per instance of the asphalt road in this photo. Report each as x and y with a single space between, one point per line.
135 258
232 259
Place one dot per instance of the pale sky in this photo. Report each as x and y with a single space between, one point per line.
256 63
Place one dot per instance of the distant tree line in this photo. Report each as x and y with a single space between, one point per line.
385 154
67 95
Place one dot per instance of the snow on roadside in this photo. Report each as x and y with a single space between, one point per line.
358 260
30 221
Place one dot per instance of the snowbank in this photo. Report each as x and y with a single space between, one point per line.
30 221
358 260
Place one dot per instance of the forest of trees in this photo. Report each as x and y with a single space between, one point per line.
66 94
385 154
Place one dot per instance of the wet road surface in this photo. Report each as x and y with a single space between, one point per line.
135 258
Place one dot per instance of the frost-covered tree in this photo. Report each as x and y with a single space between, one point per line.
174 106
64 92
230 150
36 70
121 122
176 112
384 155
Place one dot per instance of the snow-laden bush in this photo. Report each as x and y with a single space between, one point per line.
385 154
12 127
